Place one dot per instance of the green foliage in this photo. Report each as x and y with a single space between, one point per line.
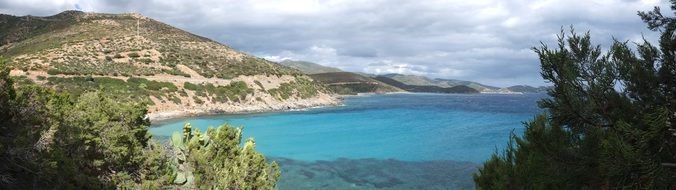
300 87
133 55
351 83
235 91
215 161
132 90
174 71
83 67
51 140
153 85
594 136
219 162
354 88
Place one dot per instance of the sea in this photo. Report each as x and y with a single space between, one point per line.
386 141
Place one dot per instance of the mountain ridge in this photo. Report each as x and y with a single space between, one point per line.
335 78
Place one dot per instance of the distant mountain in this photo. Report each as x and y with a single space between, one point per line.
352 83
426 88
444 83
528 89
309 67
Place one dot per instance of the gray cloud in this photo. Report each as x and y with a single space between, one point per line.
485 40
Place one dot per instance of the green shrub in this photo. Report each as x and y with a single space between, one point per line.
94 141
197 100
300 87
221 161
235 91
53 72
594 134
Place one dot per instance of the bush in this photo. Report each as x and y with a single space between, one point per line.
235 91
133 55
220 162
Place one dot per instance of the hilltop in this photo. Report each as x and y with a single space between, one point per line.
135 58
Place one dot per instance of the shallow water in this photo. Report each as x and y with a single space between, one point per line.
408 133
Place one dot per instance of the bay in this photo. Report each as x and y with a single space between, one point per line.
449 133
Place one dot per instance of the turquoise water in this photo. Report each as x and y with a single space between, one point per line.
410 129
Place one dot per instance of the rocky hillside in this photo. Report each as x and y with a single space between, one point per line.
352 84
341 82
444 83
309 67
135 58
528 89
426 88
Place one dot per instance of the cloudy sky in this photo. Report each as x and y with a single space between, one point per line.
487 41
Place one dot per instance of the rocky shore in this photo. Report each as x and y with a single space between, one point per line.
162 112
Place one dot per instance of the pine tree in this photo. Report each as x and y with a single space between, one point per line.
609 121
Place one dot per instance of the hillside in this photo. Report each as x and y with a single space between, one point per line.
351 83
135 58
309 67
340 82
444 83
426 88
527 89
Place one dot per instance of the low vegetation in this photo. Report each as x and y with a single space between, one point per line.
301 88
54 140
131 90
351 83
426 88
235 91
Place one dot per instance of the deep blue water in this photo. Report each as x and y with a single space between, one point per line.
408 127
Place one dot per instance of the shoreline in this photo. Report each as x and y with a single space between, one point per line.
211 109
321 101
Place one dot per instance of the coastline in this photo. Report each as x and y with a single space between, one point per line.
322 100
294 104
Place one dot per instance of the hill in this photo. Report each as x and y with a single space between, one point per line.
309 67
426 88
444 83
527 89
352 83
135 58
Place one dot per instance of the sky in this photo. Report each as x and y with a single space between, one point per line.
487 41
